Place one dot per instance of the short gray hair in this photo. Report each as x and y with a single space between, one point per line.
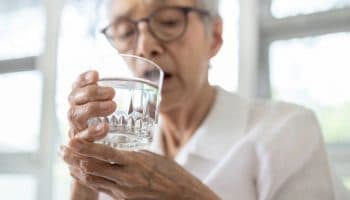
211 5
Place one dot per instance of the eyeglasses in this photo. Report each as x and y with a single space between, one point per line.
165 24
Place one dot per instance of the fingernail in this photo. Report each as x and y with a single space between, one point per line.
89 76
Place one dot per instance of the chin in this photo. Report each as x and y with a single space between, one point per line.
170 102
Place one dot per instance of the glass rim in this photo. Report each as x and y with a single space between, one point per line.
161 72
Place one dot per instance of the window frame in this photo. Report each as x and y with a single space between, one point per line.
40 163
270 29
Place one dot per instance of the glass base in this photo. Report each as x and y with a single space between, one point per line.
124 141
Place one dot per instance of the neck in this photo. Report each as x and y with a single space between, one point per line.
181 123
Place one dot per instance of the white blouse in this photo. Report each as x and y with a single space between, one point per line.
259 150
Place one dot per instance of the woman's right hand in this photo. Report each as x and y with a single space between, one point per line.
88 100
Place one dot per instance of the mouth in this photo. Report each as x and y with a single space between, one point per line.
167 76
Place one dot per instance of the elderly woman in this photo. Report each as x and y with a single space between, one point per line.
212 144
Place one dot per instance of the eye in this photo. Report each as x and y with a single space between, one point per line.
125 30
170 23
127 34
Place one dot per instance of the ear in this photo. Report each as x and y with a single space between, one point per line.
216 36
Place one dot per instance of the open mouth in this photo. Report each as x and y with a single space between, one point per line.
150 74
167 76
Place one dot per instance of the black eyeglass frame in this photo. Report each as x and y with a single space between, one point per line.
185 11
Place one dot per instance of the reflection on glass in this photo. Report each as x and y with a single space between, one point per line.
315 72
18 187
20 111
21 29
285 8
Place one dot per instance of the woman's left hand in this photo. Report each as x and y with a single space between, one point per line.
131 174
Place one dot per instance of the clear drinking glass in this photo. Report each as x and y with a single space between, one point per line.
137 83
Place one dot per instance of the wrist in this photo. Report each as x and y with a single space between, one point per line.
82 192
199 191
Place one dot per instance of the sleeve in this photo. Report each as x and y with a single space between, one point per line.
292 159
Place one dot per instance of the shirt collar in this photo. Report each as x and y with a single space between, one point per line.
223 126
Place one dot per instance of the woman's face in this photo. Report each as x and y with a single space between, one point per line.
185 60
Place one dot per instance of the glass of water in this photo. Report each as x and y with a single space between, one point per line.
137 83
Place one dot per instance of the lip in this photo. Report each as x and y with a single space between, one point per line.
167 81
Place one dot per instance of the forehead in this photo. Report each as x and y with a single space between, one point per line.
142 7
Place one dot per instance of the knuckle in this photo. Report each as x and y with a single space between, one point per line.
71 114
71 98
87 166
107 154
91 108
81 78
71 133
89 179
91 92
65 156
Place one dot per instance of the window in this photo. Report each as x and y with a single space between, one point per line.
20 21
75 55
347 182
224 69
26 60
314 72
304 49
21 130
18 187
285 8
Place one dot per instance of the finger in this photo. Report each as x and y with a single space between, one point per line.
81 96
86 78
77 175
80 165
75 172
71 158
116 173
72 131
93 133
92 181
103 152
79 115
116 189
107 186
103 185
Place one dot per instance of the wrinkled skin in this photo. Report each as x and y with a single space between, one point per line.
185 96
120 174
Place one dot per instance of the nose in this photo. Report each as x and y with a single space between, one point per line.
146 45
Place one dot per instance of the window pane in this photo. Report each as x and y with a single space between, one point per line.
75 56
224 70
315 72
347 182
21 28
14 187
20 111
284 8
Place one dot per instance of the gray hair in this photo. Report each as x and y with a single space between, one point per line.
211 5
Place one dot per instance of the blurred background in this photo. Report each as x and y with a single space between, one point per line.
295 51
